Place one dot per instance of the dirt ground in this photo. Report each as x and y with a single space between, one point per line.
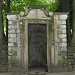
61 73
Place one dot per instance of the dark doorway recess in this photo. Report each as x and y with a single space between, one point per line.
37 45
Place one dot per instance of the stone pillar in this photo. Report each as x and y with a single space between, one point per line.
26 47
13 40
60 38
49 37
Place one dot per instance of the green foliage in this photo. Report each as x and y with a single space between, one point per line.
52 6
13 60
21 5
62 61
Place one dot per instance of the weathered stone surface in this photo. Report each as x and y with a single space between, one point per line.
18 31
36 15
63 22
9 48
62 26
10 44
63 17
11 30
11 17
12 36
62 44
10 53
11 27
9 22
51 13
63 31
64 40
12 40
60 38
62 35
18 36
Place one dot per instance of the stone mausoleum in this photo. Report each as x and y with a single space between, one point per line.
37 38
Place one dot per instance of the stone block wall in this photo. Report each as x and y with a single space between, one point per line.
16 49
60 36
13 39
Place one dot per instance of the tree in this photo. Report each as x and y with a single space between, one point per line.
64 6
22 5
1 22
73 21
8 10
3 47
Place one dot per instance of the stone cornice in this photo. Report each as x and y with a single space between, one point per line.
11 17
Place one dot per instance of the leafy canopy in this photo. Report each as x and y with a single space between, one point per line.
22 5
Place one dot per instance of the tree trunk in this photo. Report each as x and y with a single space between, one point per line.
3 46
73 25
8 10
74 18
1 22
64 5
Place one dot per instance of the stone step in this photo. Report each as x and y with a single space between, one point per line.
28 73
36 73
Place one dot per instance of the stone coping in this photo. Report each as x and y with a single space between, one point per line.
49 12
60 13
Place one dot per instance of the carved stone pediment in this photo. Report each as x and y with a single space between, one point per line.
35 13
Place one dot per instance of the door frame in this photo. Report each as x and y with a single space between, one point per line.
25 40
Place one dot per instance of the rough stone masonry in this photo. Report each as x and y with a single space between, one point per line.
56 40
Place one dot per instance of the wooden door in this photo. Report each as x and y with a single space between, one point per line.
37 44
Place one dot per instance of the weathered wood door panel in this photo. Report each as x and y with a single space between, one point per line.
37 44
